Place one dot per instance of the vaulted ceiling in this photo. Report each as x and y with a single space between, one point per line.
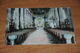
39 11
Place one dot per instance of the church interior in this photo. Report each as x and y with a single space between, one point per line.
32 26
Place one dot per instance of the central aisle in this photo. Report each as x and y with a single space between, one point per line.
37 37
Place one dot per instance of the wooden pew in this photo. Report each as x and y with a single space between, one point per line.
59 35
54 34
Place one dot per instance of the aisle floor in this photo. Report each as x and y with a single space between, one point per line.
37 37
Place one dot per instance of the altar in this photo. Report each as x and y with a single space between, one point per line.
39 23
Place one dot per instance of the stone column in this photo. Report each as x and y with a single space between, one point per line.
62 14
8 19
25 18
21 18
62 17
16 18
69 17
29 19
56 17
53 14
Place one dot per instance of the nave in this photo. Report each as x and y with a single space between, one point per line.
44 36
28 26
37 37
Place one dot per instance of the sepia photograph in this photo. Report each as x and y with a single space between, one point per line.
39 26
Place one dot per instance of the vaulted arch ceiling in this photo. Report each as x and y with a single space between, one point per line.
39 11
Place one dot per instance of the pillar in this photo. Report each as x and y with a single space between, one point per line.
56 17
16 18
21 18
62 14
62 17
25 18
8 19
